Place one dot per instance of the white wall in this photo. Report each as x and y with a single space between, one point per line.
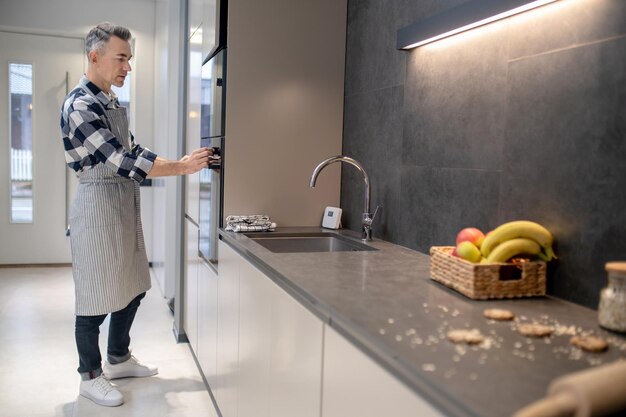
76 17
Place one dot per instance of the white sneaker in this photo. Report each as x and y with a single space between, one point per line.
130 368
101 391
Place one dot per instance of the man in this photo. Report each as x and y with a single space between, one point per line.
109 261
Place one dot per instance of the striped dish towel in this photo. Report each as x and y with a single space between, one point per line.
252 223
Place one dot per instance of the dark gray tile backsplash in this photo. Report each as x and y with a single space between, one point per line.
522 119
457 108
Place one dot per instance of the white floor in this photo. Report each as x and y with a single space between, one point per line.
38 358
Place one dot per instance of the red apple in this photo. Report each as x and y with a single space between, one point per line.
467 250
470 234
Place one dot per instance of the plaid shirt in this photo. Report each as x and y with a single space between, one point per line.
88 141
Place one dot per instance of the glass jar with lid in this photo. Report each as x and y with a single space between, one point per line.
612 308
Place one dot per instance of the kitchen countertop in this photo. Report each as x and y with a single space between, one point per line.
386 304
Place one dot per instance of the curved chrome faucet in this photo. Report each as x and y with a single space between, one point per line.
368 218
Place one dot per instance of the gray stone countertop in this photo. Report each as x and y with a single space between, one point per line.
386 304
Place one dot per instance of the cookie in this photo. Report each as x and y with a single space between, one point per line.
471 337
589 343
534 330
498 314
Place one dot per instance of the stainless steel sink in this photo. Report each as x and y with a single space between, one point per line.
307 242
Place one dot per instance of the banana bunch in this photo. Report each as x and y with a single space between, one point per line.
520 237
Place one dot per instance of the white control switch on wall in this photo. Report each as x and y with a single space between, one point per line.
332 218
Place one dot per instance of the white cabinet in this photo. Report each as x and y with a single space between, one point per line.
277 359
207 322
255 330
295 358
190 316
226 380
280 347
356 386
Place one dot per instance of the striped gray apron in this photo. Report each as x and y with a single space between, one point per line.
109 261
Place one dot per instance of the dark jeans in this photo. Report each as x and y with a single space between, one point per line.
87 331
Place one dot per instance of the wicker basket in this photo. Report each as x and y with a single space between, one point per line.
487 281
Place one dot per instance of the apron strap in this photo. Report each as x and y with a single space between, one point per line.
115 119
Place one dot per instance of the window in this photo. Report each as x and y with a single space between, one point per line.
21 142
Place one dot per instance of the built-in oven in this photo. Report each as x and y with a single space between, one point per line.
212 129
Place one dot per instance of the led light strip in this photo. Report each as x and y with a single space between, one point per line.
473 8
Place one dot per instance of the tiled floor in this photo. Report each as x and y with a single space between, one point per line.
38 357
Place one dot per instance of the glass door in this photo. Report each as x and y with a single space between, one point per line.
35 74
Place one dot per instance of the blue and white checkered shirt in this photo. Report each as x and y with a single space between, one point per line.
88 141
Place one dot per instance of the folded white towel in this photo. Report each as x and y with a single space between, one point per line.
251 223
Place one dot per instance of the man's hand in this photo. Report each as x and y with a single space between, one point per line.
198 159
188 164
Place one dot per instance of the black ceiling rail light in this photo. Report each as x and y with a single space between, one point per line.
466 16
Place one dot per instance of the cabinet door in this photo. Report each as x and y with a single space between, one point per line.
207 323
280 348
296 358
255 334
196 11
209 26
190 318
356 386
227 330
195 57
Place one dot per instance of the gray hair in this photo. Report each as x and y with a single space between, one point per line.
99 36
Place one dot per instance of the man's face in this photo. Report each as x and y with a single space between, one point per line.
113 64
